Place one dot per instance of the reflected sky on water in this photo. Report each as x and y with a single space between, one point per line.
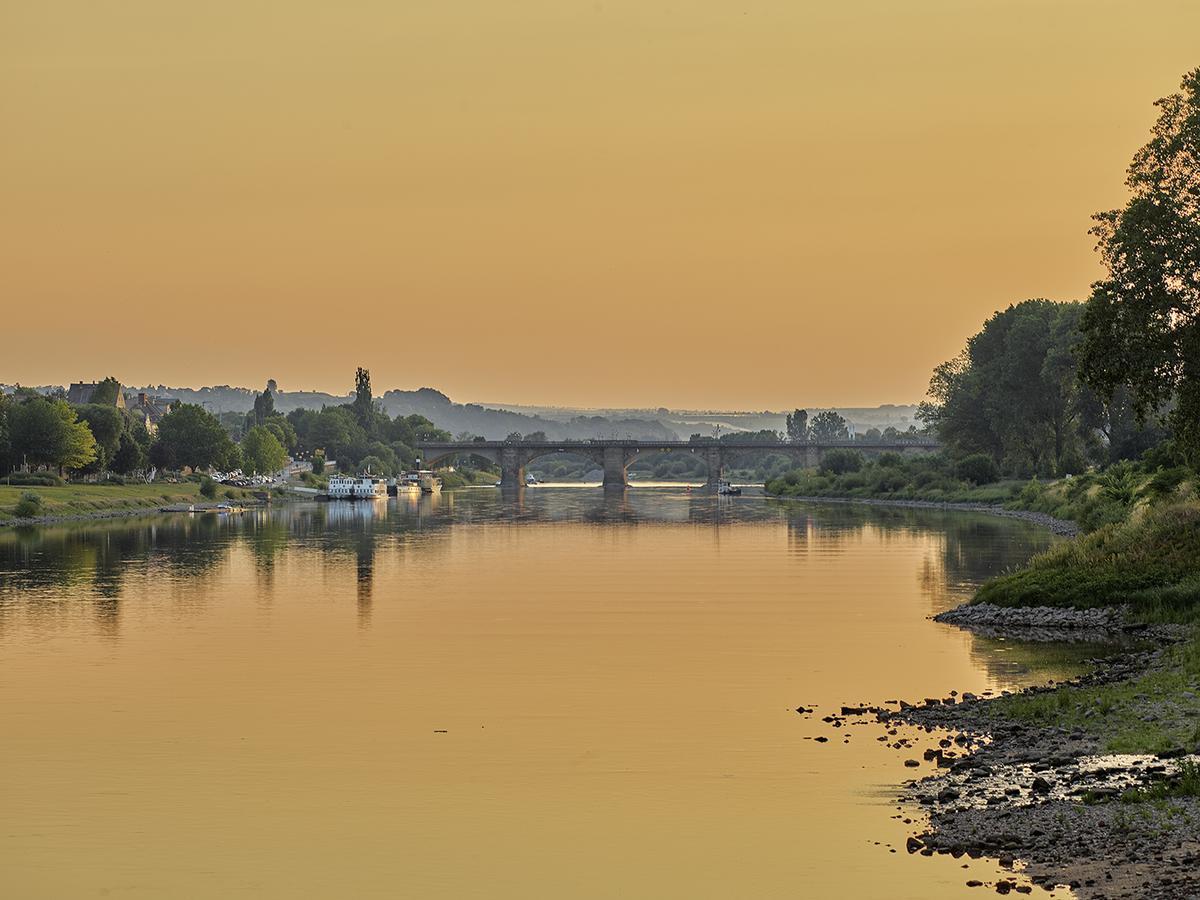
571 692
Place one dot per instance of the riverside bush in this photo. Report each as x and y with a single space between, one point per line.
840 461
1150 562
28 506
893 476
41 479
978 468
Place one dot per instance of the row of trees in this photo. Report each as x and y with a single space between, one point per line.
40 431
47 432
360 435
1050 388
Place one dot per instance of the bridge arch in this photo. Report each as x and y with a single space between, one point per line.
593 457
692 452
433 459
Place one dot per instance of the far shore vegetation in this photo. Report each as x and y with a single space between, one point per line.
66 500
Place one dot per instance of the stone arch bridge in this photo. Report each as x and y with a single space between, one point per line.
615 456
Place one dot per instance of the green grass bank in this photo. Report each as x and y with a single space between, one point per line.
94 499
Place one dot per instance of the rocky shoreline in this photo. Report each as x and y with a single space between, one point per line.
1061 527
1050 799
977 614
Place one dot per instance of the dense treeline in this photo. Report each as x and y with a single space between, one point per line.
360 435
47 433
1052 389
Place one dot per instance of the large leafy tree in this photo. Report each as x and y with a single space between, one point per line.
1013 392
1142 323
334 430
106 392
107 424
828 426
45 431
5 438
262 452
191 436
364 405
264 407
132 450
797 425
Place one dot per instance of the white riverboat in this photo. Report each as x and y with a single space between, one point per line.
421 480
408 484
728 489
357 487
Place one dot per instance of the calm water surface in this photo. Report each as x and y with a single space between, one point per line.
570 695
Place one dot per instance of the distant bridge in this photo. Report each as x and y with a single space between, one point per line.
615 456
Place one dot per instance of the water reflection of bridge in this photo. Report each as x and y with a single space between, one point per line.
615 456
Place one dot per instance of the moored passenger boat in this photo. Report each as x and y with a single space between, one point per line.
357 487
408 483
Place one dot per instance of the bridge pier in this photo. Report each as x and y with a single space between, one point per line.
614 468
512 468
716 465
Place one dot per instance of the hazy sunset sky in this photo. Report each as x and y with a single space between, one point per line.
752 205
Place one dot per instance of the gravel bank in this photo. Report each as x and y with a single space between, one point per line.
1052 797
1061 617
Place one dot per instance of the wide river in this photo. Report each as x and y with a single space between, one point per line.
570 694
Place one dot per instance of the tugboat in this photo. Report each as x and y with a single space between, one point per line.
728 490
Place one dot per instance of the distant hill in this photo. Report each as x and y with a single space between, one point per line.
496 421
686 422
496 424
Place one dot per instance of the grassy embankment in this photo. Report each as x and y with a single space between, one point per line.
1149 562
88 499
465 477
893 477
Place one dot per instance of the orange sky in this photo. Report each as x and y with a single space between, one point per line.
716 204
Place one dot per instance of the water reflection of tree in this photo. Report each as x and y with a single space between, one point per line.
267 535
92 561
965 548
364 572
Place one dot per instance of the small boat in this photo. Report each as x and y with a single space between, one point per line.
727 489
